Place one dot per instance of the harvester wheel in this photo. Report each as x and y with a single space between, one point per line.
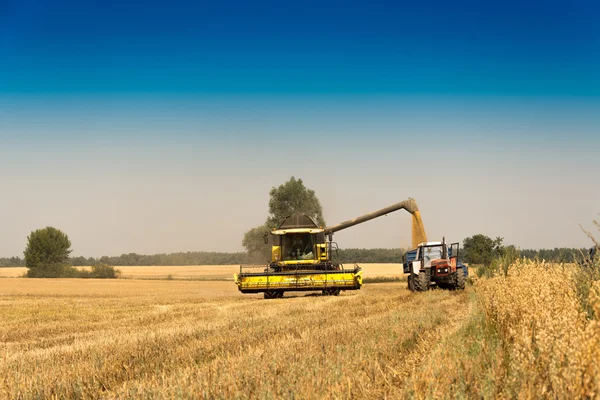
421 281
331 292
271 294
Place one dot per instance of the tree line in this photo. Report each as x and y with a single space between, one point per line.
211 258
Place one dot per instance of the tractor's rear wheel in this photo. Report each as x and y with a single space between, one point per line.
421 281
411 282
460 279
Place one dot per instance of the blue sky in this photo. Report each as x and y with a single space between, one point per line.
115 118
474 47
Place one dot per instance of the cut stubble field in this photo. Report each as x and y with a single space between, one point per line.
130 338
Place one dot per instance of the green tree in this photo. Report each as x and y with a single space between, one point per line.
47 254
480 249
289 198
293 197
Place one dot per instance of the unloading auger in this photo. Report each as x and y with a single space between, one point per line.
301 256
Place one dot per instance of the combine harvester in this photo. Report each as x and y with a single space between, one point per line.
301 256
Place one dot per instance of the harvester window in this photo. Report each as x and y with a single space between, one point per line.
275 240
298 246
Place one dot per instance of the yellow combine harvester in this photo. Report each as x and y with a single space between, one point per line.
301 256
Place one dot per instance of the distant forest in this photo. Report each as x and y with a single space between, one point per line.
213 258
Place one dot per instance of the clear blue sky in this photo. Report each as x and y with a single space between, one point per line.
432 47
137 120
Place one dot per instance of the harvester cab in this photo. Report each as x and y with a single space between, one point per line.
435 264
298 243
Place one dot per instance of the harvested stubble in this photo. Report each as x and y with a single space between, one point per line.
162 339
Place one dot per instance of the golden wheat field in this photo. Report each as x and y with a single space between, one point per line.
523 335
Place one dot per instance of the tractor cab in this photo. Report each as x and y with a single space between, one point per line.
438 257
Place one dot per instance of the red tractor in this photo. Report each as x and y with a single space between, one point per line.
435 264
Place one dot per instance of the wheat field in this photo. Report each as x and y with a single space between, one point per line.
532 333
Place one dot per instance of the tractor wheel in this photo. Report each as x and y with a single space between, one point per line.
460 279
411 282
421 281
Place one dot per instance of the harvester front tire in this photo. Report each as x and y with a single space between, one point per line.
421 281
273 294
331 292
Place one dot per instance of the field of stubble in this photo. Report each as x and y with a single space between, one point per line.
128 338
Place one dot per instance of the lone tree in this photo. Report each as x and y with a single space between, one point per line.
47 253
287 199
480 249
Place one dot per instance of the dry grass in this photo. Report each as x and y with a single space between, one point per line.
175 339
211 272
